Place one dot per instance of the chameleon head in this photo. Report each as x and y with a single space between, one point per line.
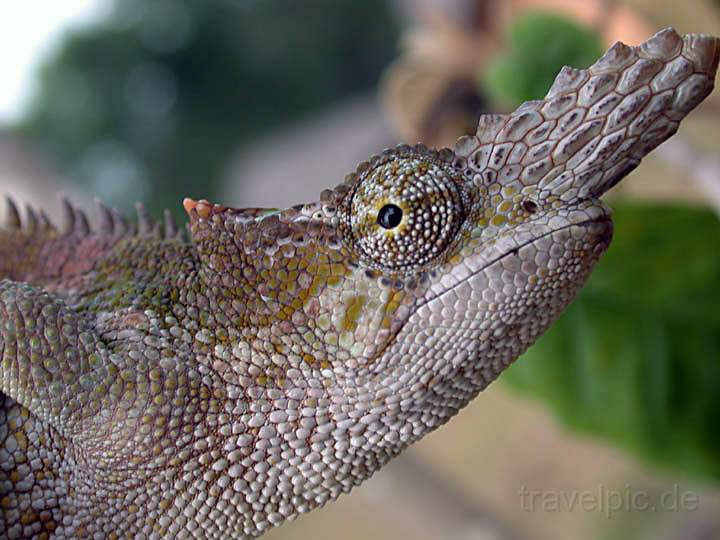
483 246
361 322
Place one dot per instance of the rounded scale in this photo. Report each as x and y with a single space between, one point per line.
404 210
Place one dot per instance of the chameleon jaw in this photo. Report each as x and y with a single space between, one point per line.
592 225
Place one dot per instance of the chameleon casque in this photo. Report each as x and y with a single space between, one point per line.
212 386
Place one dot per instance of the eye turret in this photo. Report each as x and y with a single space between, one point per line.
405 210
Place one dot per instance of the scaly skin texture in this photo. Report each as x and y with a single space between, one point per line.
157 387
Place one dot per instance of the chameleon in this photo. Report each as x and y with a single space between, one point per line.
219 381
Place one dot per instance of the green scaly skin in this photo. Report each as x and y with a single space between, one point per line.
161 387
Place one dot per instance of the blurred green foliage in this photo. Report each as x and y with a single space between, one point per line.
636 357
150 103
538 46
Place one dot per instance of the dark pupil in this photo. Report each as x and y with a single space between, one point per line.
389 216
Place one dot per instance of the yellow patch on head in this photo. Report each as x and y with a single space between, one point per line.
353 310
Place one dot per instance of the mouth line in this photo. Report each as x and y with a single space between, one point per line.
602 219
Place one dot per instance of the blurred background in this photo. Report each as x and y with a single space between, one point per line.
266 102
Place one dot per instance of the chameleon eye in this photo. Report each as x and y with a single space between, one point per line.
389 216
404 210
